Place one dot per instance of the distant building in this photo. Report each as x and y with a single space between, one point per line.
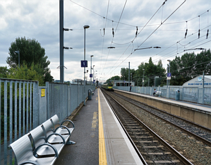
122 83
77 81
198 82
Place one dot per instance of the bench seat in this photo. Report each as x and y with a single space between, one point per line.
23 151
42 145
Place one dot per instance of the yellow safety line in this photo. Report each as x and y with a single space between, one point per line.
102 149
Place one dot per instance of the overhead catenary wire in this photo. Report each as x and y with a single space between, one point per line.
184 39
115 30
180 50
148 25
144 26
104 32
193 47
154 30
130 24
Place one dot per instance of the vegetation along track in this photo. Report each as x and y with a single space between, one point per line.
153 149
191 147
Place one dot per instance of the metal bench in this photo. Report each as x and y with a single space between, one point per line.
43 144
38 138
24 154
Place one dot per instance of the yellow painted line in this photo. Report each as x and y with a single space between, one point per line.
102 149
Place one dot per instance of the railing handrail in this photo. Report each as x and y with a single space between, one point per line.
8 79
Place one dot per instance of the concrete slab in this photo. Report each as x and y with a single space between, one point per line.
85 151
119 149
205 108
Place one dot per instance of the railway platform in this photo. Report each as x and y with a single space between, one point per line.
99 137
197 113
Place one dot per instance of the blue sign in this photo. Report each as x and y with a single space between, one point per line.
168 74
90 75
83 63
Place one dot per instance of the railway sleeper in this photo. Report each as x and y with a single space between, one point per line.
163 162
160 146
157 153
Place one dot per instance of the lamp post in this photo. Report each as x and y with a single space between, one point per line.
93 73
18 52
85 27
91 68
143 78
131 77
169 72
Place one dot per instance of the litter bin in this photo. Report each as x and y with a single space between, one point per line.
89 94
177 95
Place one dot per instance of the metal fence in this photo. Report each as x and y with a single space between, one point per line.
19 113
24 105
190 94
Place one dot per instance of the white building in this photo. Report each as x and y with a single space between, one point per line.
198 82
122 83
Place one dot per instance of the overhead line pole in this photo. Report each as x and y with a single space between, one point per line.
129 73
61 11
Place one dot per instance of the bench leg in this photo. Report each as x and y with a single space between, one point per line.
71 142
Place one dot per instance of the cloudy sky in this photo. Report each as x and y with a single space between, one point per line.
159 24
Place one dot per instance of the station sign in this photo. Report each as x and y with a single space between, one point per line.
168 74
84 63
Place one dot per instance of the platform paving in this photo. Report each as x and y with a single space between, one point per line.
85 151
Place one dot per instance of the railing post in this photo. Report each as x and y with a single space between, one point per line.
35 104
5 122
0 121
47 98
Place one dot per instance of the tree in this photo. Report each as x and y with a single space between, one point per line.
203 63
3 72
112 78
25 73
190 65
125 72
150 70
30 52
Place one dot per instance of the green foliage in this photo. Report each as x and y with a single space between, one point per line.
190 65
125 72
149 71
25 73
3 72
109 81
182 69
30 52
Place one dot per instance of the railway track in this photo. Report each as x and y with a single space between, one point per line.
151 148
201 133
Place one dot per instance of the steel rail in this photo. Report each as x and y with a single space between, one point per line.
185 130
128 135
177 154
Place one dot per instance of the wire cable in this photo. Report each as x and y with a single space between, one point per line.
115 30
154 30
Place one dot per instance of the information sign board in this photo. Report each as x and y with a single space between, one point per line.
84 63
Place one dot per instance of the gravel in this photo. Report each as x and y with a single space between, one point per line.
197 152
